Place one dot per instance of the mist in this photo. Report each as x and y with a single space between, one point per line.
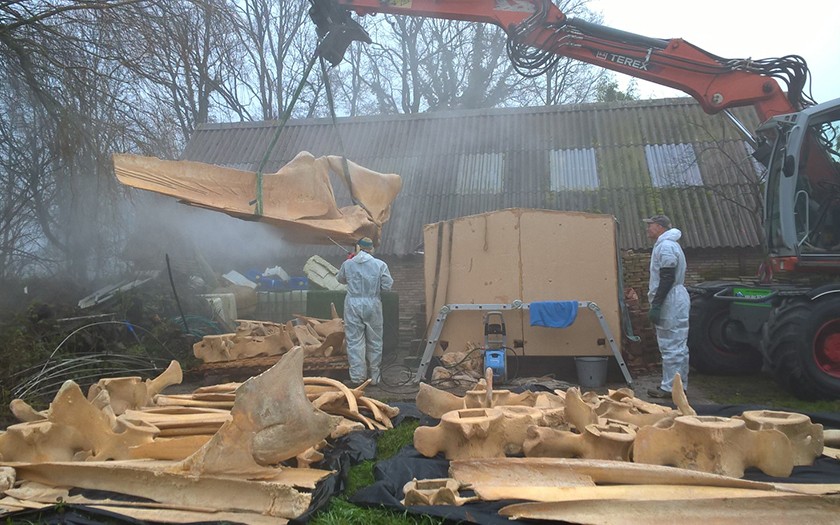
161 225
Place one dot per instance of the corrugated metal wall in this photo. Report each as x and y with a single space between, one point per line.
466 162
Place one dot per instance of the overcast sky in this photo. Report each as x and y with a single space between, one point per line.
739 29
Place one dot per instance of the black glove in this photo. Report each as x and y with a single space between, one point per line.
667 276
655 313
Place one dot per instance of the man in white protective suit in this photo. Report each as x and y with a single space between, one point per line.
669 302
366 277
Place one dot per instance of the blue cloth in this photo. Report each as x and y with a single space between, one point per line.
553 314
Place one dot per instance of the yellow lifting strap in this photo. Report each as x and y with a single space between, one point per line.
344 166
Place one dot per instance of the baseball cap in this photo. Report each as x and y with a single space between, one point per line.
365 242
661 220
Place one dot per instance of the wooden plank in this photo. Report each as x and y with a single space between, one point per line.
143 480
813 510
541 471
621 492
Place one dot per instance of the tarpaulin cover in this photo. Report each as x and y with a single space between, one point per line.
392 474
347 451
69 515
343 454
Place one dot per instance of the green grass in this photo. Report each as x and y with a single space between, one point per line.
341 512
360 476
757 389
390 442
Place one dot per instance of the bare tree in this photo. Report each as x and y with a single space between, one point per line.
278 43
29 31
21 156
67 107
360 95
185 54
419 64
570 81
469 68
389 67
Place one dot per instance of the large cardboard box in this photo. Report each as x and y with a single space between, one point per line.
530 255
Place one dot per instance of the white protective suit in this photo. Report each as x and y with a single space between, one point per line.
672 329
365 277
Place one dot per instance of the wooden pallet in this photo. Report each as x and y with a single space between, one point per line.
256 365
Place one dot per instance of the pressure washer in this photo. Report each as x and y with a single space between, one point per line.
495 345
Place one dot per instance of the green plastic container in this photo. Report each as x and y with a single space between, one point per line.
752 293
280 307
318 305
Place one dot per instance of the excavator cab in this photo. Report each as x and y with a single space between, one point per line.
802 202
789 322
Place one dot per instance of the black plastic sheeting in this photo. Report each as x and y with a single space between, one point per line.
391 475
68 515
345 452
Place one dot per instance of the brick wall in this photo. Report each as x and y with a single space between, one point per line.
409 284
702 265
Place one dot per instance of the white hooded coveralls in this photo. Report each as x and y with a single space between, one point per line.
365 277
672 328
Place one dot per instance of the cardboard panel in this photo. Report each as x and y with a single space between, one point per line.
570 256
479 264
530 255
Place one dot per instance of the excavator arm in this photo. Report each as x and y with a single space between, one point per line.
798 142
540 34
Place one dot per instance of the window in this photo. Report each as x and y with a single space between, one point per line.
480 173
672 165
573 169
758 168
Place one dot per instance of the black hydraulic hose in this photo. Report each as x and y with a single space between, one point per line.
175 293
285 117
591 28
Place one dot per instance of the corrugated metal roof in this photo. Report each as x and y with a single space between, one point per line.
466 162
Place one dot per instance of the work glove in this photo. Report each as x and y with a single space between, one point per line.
655 313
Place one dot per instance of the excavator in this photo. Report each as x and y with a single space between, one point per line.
787 319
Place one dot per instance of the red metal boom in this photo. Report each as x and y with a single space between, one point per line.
716 83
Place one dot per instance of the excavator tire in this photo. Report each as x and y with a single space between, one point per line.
709 350
801 345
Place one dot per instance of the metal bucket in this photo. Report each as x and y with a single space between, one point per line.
591 371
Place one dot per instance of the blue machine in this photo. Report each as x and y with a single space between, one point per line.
495 346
